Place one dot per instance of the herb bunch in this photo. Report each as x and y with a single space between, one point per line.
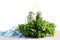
36 28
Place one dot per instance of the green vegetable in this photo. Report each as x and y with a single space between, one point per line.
36 28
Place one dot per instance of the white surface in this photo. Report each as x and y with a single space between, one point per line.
13 12
56 37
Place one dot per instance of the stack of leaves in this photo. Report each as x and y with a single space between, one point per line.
37 28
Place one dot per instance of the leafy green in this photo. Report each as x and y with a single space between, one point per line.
37 28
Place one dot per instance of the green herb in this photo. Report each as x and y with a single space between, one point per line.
37 28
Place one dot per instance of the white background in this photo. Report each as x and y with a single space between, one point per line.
14 12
